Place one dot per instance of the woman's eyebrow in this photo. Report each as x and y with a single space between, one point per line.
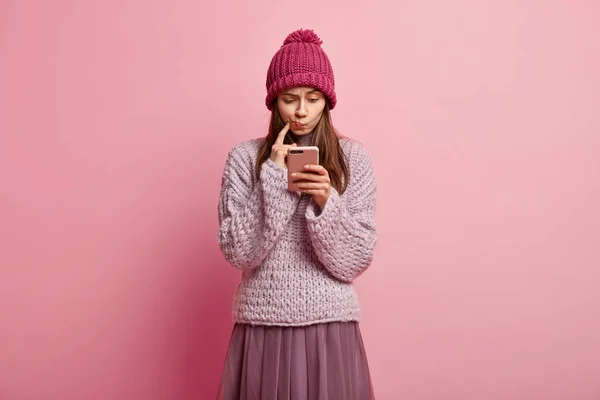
296 95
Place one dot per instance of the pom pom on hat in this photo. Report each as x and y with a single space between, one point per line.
303 36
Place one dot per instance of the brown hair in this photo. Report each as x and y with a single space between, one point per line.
325 137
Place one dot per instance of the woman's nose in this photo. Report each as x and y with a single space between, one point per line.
301 111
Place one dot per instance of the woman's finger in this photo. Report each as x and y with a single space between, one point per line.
310 176
313 185
313 192
281 152
284 147
281 135
316 168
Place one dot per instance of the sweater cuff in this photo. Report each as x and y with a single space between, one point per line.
318 217
274 183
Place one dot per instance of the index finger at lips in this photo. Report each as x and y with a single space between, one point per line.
282 133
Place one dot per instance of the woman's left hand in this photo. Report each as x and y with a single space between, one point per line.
315 181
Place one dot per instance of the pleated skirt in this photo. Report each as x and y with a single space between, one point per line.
317 362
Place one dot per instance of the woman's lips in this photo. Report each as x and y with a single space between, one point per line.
297 125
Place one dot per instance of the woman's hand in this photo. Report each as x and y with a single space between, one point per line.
315 181
279 150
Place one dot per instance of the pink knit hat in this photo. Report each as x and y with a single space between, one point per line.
300 62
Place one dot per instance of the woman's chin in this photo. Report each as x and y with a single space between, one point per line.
300 132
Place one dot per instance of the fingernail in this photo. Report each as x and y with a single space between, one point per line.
293 174
306 166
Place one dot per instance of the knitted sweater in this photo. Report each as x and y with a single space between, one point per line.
297 261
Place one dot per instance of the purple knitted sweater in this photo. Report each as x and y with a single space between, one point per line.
297 261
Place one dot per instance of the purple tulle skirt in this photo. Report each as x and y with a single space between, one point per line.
316 362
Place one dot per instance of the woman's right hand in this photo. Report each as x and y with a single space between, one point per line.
279 150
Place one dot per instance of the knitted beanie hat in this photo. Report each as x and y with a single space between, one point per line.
300 62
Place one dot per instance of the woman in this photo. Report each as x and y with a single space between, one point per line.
296 332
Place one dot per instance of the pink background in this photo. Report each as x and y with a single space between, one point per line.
483 122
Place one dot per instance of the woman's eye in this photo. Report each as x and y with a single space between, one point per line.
288 101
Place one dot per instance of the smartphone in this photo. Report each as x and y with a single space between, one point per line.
297 158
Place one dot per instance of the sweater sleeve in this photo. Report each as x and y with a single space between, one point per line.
252 214
343 233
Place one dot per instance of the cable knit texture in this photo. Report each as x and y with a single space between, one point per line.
300 62
297 261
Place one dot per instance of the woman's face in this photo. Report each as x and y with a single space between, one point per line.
302 107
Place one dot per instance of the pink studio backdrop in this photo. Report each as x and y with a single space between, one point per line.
483 122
